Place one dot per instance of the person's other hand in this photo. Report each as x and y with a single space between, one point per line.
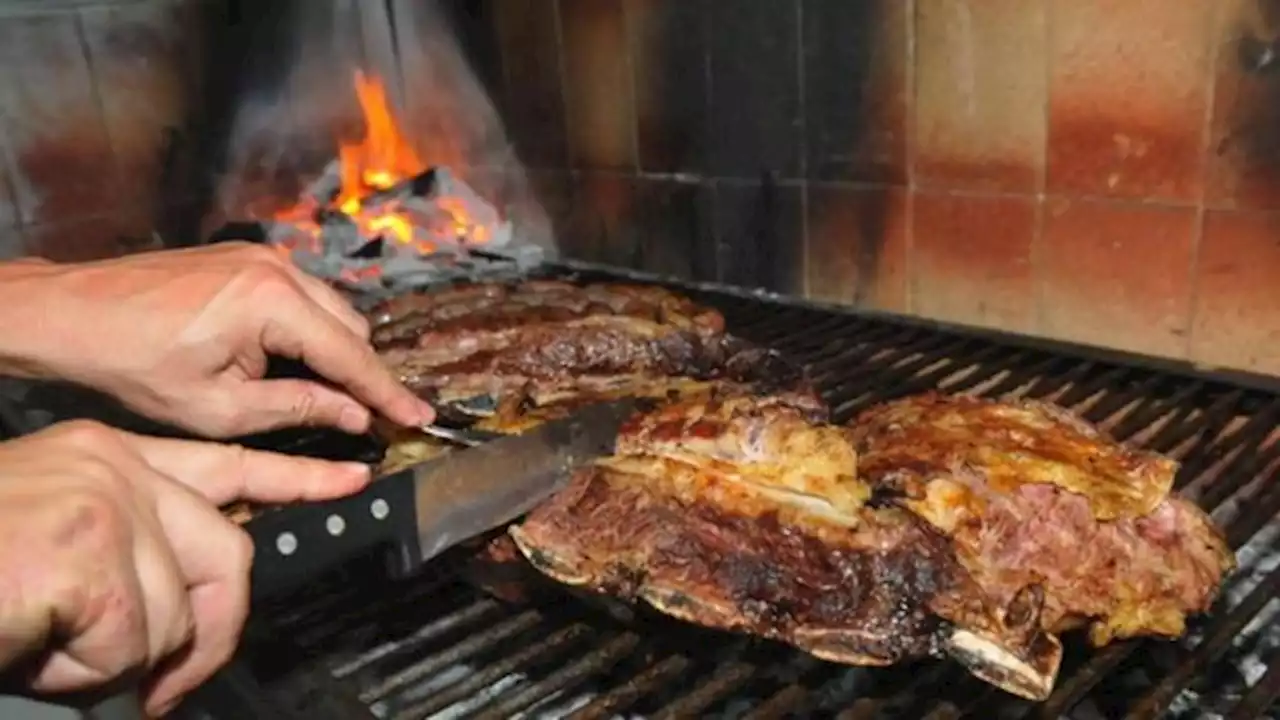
183 336
116 565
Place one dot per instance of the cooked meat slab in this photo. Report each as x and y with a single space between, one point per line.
491 307
1032 495
545 342
745 514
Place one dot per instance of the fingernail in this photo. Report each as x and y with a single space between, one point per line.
357 470
353 419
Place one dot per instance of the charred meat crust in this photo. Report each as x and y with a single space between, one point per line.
884 590
569 355
744 513
539 342
752 574
494 307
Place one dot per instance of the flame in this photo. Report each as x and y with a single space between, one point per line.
379 160
382 157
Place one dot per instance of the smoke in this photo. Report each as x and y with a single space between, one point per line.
294 96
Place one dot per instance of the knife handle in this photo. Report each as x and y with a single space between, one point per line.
295 543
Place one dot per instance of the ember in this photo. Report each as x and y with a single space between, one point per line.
379 217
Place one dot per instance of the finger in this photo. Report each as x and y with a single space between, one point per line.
262 405
215 558
226 473
164 593
130 609
336 305
306 334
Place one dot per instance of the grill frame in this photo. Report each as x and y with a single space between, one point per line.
1200 410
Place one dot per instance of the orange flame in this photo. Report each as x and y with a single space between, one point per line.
377 161
382 157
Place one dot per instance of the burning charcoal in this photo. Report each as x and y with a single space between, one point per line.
369 251
341 238
421 185
324 188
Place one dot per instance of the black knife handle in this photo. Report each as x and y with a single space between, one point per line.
296 543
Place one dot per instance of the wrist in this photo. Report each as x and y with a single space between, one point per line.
35 315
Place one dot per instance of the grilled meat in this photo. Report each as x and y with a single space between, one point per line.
1032 495
745 514
493 307
544 343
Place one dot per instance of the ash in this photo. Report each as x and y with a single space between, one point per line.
429 229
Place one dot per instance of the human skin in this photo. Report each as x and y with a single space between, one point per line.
116 564
183 336
114 560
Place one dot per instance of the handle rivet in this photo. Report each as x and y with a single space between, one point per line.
286 543
335 525
379 509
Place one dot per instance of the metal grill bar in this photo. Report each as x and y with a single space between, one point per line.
646 683
1261 697
566 677
565 659
725 681
491 674
1221 633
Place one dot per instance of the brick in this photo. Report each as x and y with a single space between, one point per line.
857 245
533 103
598 85
759 230
1244 154
980 94
669 56
857 99
142 58
64 165
1117 275
757 126
1237 310
971 259
1129 91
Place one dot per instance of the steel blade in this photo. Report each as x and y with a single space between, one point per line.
472 491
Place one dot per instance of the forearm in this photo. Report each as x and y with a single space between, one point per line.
37 320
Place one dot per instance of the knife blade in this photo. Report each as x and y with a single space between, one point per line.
425 509
472 491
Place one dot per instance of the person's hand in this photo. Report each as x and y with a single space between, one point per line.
183 336
115 564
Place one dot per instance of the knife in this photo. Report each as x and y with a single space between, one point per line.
424 510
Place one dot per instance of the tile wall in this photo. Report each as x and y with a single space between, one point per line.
1101 171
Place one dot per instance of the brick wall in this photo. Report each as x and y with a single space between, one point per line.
90 94
1106 171
1103 171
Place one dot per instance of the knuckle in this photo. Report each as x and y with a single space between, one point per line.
87 433
226 413
227 421
260 254
91 518
305 404
120 617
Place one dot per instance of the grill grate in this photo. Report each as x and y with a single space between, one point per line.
432 646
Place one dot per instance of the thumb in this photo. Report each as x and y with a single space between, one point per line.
263 405
227 473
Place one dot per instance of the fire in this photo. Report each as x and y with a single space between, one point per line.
379 161
382 157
